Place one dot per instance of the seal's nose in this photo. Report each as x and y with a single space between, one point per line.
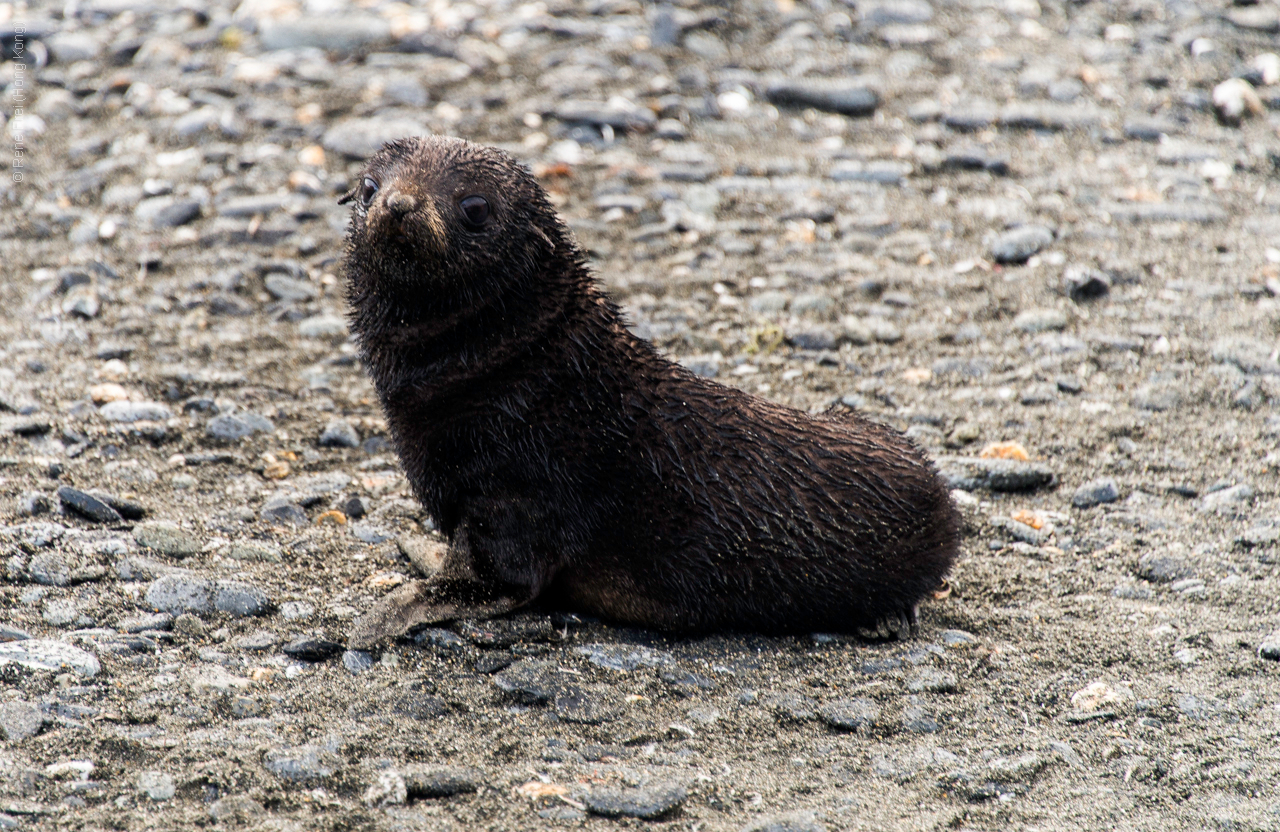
400 204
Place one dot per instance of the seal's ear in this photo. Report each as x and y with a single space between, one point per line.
349 195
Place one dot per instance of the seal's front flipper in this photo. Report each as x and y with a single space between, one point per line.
899 625
420 602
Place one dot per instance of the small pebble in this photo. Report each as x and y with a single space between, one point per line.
312 649
1096 492
88 506
850 714
1270 647
426 782
49 654
1019 244
19 720
339 433
167 539
357 661
1162 568
156 785
646 802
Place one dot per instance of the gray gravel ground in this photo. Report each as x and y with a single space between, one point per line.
1041 237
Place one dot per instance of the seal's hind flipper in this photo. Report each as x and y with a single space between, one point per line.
419 602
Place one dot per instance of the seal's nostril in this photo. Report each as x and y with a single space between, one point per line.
401 204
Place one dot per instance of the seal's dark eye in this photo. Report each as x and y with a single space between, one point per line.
368 190
475 209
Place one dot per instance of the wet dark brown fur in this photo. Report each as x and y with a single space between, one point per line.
565 459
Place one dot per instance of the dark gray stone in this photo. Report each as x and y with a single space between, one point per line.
1017 245
167 539
128 509
303 764
33 504
970 119
974 473
1070 384
813 339
232 427
19 720
1043 115
49 654
625 657
1251 355
336 32
248 206
1196 212
1096 492
974 157
957 638
685 681
180 592
796 822
419 705
166 211
157 785
1270 647
236 808
1082 283
1157 397
530 681
88 506
1262 536
240 599
360 138
52 568
848 96
1148 129
1161 568
917 719
357 661
339 433
854 714
125 411
179 213
791 706
1197 708
589 705
283 510
646 802
434 781
615 114
1132 592
932 680
309 649
290 289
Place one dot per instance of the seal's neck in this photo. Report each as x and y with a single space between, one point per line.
434 347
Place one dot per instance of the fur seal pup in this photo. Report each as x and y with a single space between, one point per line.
565 459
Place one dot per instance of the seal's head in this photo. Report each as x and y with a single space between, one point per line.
440 223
